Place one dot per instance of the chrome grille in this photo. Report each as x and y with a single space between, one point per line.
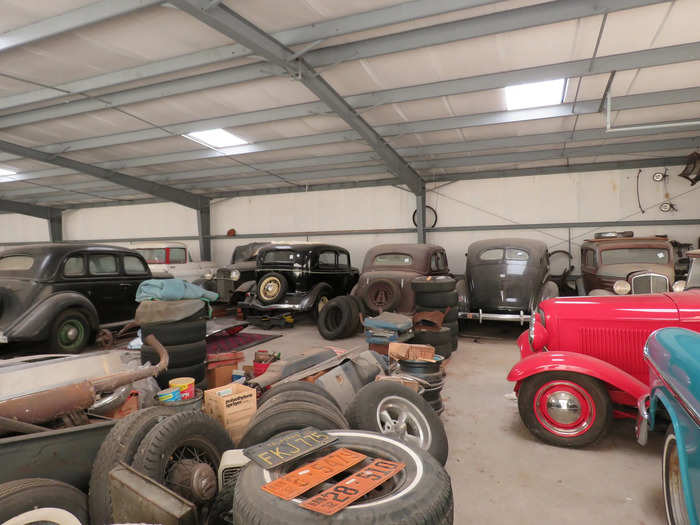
229 477
649 283
223 273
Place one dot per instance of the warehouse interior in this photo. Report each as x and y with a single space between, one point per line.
218 123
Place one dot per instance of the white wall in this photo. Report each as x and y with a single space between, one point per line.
584 197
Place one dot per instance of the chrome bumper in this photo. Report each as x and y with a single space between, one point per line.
641 428
481 316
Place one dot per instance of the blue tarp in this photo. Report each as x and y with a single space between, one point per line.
172 290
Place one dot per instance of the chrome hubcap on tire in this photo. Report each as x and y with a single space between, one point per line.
563 408
403 420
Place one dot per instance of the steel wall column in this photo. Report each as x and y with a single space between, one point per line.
420 216
55 225
204 229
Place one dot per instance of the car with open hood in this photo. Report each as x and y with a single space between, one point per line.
387 272
62 293
582 358
298 277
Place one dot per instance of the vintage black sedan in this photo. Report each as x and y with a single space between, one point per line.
63 292
505 280
298 277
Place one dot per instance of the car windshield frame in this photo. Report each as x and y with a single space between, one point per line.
693 279
629 258
408 259
291 256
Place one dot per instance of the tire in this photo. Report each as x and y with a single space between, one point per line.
271 288
381 295
451 315
437 300
180 333
336 318
198 372
360 304
674 491
68 324
293 415
25 495
588 392
298 395
120 444
453 327
180 355
187 435
423 496
296 386
431 284
365 413
354 324
438 338
454 343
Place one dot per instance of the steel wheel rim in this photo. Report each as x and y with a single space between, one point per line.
674 496
321 303
401 419
45 515
71 334
564 408
270 287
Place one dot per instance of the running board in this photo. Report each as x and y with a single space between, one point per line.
480 316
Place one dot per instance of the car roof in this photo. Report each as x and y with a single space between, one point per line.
60 248
408 248
156 244
531 245
630 240
305 246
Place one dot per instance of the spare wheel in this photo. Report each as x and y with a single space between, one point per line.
36 500
272 287
420 494
382 295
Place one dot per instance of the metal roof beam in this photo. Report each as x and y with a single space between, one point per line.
23 208
230 24
152 188
511 20
299 35
70 20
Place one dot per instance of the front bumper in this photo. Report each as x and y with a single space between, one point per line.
481 316
641 428
293 302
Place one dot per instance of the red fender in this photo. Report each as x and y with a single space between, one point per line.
580 364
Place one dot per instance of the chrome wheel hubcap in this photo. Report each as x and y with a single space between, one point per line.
403 420
563 408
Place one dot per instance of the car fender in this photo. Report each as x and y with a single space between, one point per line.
315 293
578 363
36 321
245 287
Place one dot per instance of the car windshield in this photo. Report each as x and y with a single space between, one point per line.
693 274
394 259
16 263
635 255
153 255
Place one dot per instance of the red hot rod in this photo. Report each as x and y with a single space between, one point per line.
582 358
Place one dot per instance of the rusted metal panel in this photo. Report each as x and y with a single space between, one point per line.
49 404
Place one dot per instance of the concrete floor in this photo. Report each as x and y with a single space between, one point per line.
500 472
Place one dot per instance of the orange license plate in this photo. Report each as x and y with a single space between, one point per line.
307 477
353 488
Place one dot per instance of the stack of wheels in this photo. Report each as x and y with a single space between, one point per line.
438 293
431 373
180 450
340 317
420 495
293 406
186 344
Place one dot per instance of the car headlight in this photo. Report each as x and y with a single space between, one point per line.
235 275
531 330
537 333
622 287
208 275
679 286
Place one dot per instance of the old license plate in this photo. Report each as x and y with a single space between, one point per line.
288 446
304 478
353 488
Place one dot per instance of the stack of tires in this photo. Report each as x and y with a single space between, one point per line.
186 344
340 317
438 293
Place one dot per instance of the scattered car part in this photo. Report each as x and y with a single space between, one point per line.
297 395
441 340
430 220
437 299
431 374
421 494
50 404
291 415
120 445
183 452
391 408
232 462
343 381
180 355
26 495
295 386
431 284
287 447
339 318
178 333
198 372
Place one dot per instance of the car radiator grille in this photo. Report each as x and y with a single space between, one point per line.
649 283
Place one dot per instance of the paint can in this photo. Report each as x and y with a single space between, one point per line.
169 395
185 385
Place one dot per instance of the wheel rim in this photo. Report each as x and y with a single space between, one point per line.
564 408
45 515
321 303
270 287
399 418
191 471
676 510
380 296
71 334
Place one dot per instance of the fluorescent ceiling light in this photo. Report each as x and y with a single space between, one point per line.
535 95
7 172
216 138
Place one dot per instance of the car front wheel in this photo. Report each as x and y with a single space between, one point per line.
565 409
70 332
674 495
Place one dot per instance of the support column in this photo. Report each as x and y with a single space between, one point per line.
420 216
204 229
55 225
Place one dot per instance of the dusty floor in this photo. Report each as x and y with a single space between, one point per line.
500 473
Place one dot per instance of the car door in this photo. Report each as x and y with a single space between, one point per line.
105 285
328 270
73 276
588 268
485 279
134 272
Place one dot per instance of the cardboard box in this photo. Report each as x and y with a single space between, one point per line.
400 351
220 376
233 405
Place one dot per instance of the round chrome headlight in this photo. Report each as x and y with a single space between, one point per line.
235 275
679 286
622 287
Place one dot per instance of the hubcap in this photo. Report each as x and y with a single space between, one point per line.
564 408
403 420
71 333
193 480
270 287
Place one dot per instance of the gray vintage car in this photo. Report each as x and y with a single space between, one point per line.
505 280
